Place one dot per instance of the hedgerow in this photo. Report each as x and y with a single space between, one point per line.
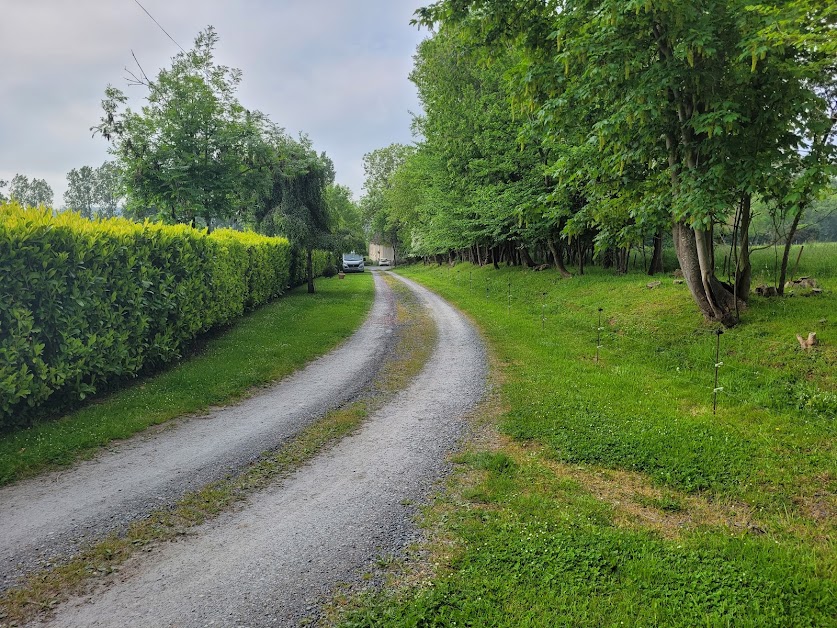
321 261
85 303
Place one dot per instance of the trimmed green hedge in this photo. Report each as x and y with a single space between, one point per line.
83 303
321 261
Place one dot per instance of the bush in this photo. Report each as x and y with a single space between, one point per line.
83 303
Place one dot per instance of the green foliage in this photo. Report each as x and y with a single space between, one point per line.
94 192
346 219
379 167
79 194
632 117
321 261
193 151
88 303
34 193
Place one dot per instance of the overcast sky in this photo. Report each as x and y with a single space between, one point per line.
333 69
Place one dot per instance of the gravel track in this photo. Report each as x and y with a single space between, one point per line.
276 560
56 513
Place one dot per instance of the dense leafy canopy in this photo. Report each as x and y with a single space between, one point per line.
565 127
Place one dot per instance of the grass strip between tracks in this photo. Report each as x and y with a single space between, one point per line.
43 591
265 345
607 492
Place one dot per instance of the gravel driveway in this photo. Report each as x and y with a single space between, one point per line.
276 560
55 513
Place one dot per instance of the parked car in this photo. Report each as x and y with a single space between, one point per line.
383 262
352 263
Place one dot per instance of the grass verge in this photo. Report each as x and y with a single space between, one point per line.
43 591
265 345
613 494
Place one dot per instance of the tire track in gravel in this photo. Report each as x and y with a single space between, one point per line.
276 561
57 513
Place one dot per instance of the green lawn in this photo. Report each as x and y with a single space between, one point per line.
265 345
616 496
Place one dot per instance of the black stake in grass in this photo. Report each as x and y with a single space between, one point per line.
508 311
599 336
487 291
718 365
543 311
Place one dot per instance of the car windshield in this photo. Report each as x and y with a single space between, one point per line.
352 257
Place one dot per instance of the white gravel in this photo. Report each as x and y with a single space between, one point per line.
54 514
275 561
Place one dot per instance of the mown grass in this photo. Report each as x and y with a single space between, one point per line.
264 346
620 498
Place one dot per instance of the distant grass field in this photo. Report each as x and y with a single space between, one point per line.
264 346
614 496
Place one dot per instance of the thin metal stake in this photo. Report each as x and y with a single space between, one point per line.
543 312
718 365
599 336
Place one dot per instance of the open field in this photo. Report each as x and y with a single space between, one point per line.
264 346
612 493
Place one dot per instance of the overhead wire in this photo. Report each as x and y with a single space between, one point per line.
159 25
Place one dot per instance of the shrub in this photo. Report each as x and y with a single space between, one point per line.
84 303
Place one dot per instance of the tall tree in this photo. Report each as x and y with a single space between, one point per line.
345 218
79 195
192 149
379 166
107 189
32 193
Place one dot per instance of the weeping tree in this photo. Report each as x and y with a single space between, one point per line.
346 219
297 205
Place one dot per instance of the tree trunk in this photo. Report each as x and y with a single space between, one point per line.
694 254
494 256
624 258
656 265
309 269
525 253
557 258
743 269
786 253
580 250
